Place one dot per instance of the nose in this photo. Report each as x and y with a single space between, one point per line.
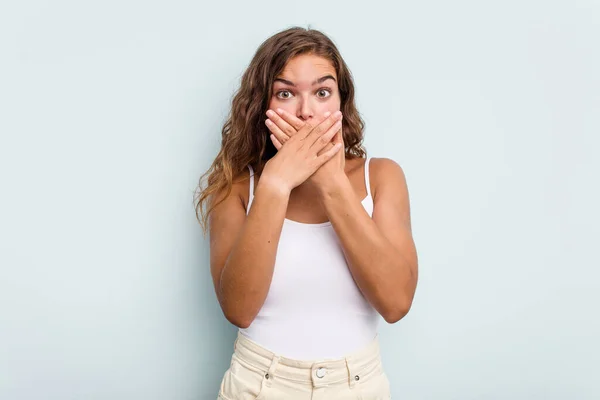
305 110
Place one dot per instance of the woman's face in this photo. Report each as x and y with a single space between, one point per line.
307 88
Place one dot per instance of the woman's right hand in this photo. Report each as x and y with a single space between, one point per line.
298 158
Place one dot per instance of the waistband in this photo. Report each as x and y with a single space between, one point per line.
316 372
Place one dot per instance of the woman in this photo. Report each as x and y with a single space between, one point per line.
310 240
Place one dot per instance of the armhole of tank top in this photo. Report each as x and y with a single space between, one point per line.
251 190
367 178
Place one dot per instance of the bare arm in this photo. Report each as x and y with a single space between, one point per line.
380 251
243 249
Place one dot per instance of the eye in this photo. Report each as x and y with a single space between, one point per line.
283 91
322 93
324 90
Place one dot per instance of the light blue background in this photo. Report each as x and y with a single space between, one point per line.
111 110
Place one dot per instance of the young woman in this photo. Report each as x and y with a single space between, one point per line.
310 240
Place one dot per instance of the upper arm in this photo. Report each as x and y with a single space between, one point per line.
225 223
391 208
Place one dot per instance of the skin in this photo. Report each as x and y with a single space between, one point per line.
297 95
309 181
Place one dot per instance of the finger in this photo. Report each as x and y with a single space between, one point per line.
281 123
324 127
279 134
319 142
290 119
317 129
276 142
339 138
327 155
329 146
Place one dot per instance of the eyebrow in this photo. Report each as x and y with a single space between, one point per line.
320 80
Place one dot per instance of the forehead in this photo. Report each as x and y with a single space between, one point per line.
305 68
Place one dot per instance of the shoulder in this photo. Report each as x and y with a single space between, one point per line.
239 190
386 176
241 186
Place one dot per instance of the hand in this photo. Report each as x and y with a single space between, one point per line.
303 154
284 126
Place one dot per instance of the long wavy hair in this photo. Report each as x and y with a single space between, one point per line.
245 137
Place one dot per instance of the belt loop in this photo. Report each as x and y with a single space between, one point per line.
352 376
270 375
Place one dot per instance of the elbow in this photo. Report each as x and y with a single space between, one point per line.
242 324
241 321
237 316
396 313
399 305
393 317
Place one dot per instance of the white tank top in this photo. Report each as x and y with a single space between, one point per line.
313 309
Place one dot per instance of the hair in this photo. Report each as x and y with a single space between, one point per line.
244 136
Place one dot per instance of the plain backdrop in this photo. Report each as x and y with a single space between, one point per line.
110 111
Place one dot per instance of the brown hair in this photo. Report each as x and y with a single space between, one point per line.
244 136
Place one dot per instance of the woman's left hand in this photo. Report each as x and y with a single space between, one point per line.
284 125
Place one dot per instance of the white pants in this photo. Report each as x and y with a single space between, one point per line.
256 373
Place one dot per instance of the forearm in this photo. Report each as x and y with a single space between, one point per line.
247 274
380 271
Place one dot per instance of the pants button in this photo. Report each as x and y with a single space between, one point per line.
321 372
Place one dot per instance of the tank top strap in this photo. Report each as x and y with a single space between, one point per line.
367 180
251 197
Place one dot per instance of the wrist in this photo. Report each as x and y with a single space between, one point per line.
274 186
336 184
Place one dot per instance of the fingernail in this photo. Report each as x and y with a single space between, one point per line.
279 111
270 113
337 114
327 114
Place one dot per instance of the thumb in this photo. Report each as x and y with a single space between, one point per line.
339 137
